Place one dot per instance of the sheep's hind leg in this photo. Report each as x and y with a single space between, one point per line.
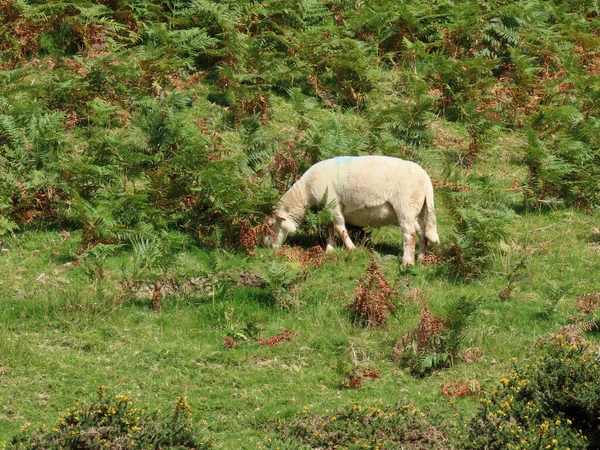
422 238
409 227
410 238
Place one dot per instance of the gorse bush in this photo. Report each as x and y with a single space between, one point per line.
551 403
401 426
113 423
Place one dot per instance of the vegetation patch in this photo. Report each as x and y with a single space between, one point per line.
588 302
278 339
111 423
402 426
553 402
434 343
374 300
142 145
460 388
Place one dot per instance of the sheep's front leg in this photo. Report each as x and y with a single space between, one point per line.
339 225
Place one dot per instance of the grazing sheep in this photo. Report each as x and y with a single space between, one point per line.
366 191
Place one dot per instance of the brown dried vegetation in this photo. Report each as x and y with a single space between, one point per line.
249 236
461 388
229 342
573 334
278 339
472 355
314 255
423 337
588 302
374 298
354 378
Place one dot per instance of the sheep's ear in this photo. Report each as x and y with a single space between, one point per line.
280 217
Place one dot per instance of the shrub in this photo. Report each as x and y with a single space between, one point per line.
111 423
551 403
358 427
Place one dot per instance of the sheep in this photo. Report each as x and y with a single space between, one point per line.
365 191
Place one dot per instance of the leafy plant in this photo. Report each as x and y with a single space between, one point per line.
516 274
434 343
554 292
280 279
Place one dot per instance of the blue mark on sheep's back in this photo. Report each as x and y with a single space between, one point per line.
342 159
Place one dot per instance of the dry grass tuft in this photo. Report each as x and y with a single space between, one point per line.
278 339
472 355
431 259
355 379
374 298
314 255
229 342
461 388
416 296
588 302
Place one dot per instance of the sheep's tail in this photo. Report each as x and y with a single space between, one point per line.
430 219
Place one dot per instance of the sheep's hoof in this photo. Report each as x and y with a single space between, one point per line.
329 248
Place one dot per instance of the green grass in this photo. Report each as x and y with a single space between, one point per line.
62 333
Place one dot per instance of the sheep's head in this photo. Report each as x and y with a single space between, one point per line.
282 224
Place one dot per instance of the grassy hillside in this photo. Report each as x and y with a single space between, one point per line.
142 144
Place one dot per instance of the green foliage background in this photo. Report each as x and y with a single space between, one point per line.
125 118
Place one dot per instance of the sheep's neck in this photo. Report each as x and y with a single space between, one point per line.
294 201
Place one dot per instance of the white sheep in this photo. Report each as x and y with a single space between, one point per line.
366 191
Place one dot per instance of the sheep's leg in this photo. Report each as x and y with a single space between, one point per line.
330 238
407 218
410 238
339 224
422 238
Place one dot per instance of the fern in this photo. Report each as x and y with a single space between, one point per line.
480 222
333 138
459 314
429 362
7 226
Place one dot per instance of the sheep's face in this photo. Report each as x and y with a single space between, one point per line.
282 225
